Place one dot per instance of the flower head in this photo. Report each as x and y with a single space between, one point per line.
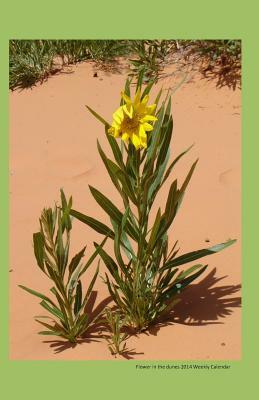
133 119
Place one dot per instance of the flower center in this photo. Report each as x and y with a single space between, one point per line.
130 124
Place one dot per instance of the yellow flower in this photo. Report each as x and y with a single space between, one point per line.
132 120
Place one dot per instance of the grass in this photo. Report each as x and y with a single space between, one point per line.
32 61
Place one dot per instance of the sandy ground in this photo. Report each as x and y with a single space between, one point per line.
53 145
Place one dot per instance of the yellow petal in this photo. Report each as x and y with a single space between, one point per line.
137 97
115 125
126 98
111 130
116 133
144 142
140 109
128 110
125 136
136 141
150 109
148 118
148 127
145 100
118 115
142 133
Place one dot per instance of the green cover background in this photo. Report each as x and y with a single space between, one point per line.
134 20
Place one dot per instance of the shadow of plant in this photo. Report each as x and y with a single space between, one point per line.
228 75
93 332
96 332
109 67
202 304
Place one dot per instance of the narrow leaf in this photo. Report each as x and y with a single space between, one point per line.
170 168
53 310
195 255
91 259
37 294
98 116
75 261
187 179
78 298
93 223
38 244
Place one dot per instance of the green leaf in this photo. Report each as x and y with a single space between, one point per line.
140 78
117 251
60 245
147 89
78 298
126 90
110 166
82 324
112 211
188 271
66 222
60 300
158 97
127 87
167 278
124 179
169 170
165 147
90 287
106 205
53 310
185 282
116 150
171 204
118 240
91 259
108 261
111 291
38 244
168 112
37 294
154 232
195 255
155 136
51 333
93 223
178 287
50 327
75 261
157 181
63 199
187 179
105 123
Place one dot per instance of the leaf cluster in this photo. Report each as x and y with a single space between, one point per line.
117 339
144 276
51 249
150 56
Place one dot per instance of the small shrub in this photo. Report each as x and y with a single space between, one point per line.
116 340
51 248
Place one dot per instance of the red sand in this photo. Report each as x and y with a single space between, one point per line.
53 145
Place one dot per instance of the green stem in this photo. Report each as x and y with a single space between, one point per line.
67 304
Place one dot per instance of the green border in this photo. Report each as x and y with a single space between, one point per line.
134 19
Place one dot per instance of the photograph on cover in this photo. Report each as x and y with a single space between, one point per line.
125 199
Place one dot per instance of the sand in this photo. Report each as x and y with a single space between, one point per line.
53 145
